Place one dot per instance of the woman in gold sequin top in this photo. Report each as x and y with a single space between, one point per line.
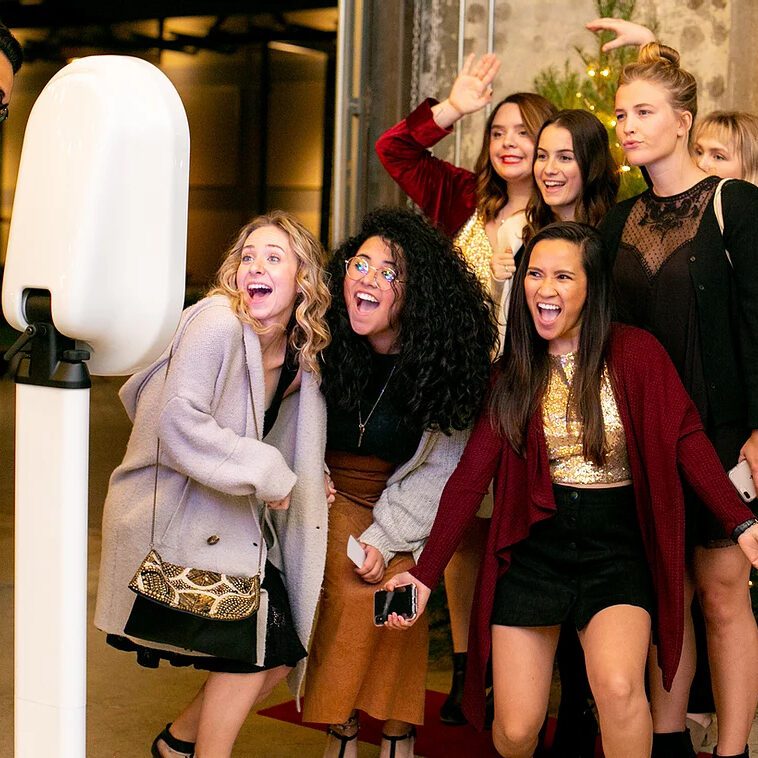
471 207
580 409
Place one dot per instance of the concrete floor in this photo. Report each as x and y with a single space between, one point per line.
129 705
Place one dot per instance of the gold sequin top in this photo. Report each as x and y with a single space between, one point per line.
475 245
564 440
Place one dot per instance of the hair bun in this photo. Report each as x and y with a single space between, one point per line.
655 52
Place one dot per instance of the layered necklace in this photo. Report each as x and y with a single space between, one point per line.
361 422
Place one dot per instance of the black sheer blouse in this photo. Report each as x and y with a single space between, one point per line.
653 282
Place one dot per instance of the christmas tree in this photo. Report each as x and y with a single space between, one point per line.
596 89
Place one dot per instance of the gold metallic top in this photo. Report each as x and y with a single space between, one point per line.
476 248
564 436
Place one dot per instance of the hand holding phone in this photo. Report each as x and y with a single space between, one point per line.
743 481
402 600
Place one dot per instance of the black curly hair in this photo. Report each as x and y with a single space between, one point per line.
447 330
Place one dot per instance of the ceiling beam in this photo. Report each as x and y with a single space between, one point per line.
54 13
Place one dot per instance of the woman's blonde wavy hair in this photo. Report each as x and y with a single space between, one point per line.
311 334
659 64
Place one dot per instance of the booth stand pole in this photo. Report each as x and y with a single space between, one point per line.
52 450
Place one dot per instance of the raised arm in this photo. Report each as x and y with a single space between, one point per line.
471 90
627 32
444 192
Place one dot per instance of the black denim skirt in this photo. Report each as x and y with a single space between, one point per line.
587 557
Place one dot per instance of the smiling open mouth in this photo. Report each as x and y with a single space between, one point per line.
366 302
548 312
553 184
258 291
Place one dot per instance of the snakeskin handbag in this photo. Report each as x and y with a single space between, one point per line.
203 593
207 594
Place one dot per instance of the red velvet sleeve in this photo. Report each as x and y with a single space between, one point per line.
460 500
702 468
445 193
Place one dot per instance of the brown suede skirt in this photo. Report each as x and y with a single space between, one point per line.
352 663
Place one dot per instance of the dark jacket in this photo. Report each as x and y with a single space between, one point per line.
727 299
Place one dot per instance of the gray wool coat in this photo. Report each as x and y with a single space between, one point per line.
215 470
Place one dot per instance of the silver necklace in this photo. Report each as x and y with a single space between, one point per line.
361 422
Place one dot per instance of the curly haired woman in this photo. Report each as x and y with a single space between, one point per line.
402 384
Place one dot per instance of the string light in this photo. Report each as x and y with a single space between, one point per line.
605 72
591 72
625 168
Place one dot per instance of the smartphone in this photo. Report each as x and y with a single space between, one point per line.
402 600
743 481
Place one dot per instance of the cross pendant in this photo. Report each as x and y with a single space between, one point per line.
361 429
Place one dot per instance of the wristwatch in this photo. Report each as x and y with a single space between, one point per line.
743 527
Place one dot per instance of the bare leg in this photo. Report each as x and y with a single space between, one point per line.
226 704
722 581
616 643
214 717
522 669
670 708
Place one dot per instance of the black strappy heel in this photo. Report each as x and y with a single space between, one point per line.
343 738
177 745
394 740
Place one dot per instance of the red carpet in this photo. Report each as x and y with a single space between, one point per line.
435 740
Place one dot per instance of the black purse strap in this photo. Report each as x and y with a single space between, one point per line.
261 514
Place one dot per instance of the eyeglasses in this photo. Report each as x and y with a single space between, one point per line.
357 267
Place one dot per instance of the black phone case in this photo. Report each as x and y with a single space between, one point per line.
401 601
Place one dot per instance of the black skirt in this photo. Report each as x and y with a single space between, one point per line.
283 646
587 557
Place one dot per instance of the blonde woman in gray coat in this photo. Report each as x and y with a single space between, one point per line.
239 356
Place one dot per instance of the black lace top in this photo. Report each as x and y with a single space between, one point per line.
652 275
388 433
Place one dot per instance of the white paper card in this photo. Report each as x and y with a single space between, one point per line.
355 552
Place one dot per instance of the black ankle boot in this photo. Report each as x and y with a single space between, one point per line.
673 745
451 712
746 754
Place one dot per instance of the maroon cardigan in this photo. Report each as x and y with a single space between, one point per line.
664 438
445 193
